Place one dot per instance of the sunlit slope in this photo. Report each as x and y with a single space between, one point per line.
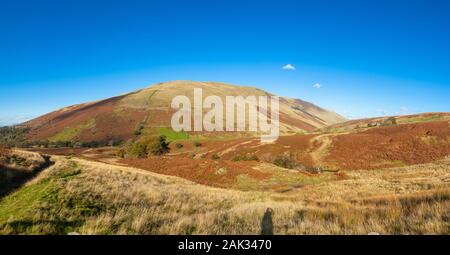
117 118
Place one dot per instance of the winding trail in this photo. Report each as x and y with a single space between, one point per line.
319 154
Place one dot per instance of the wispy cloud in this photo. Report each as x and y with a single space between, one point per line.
317 86
288 67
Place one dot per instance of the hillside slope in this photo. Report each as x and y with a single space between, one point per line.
117 118
88 198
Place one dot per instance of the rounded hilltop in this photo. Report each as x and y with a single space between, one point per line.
118 117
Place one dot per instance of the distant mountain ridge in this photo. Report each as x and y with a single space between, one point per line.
119 117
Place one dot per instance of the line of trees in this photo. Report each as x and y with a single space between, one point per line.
13 136
72 144
16 136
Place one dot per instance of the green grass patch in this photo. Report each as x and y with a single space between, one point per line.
173 135
45 207
70 133
24 201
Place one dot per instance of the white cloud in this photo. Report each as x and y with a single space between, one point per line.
317 85
289 67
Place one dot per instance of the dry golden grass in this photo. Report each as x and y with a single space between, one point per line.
22 160
406 200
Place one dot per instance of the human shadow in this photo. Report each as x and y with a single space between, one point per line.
267 223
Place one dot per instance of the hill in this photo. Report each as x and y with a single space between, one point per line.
361 124
149 109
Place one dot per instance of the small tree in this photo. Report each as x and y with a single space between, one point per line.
138 150
284 161
160 147
121 153
138 130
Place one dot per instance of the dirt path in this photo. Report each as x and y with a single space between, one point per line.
318 154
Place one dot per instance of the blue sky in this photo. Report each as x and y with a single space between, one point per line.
370 57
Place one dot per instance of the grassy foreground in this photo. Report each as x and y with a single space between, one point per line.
87 197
